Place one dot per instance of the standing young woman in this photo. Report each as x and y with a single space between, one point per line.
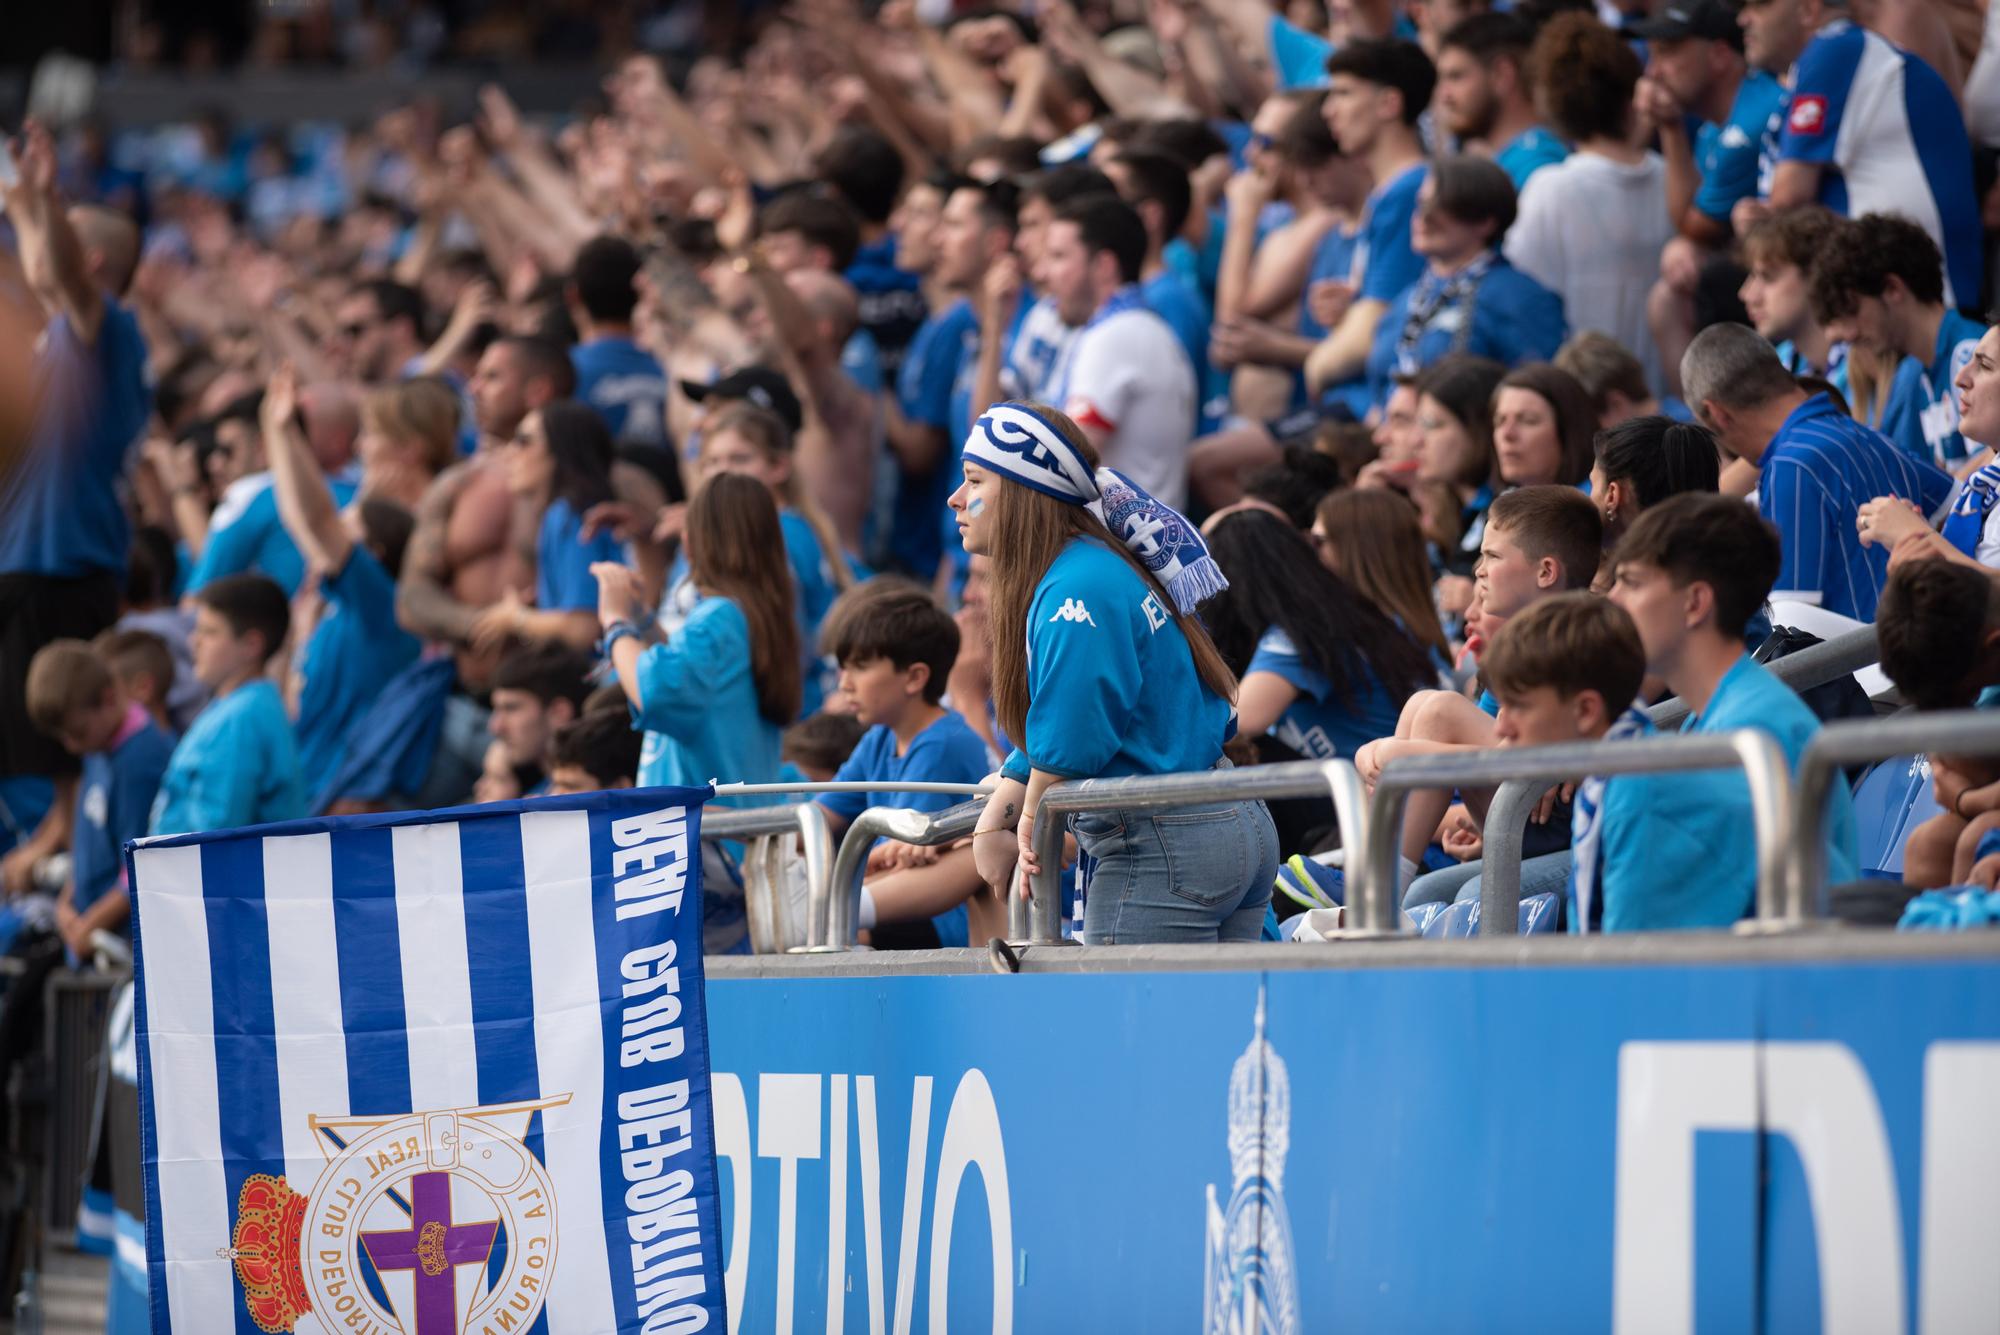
1109 675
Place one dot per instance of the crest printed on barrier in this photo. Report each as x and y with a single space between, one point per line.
1252 1277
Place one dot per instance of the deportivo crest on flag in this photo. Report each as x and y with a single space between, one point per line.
435 1073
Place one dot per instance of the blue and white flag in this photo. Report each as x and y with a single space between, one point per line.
435 1073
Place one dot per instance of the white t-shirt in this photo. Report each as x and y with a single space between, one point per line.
1591 231
1127 375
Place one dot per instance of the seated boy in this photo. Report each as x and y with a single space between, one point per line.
143 667
895 647
814 748
1538 542
1690 572
238 764
76 699
596 752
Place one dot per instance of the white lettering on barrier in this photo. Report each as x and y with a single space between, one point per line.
1819 1097
788 1131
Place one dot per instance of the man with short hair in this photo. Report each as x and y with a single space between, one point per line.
1777 294
379 332
1691 572
615 376
1483 96
1157 187
1379 88
1125 379
538 690
862 167
1023 351
1878 284
1818 466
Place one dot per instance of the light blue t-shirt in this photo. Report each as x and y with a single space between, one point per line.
1332 258
948 751
563 557
114 800
625 386
1316 724
1384 265
238 765
1533 149
1679 850
60 513
247 535
354 650
1921 414
1299 57
1727 153
1112 686
699 707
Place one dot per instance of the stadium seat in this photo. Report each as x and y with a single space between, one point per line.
1892 799
1540 914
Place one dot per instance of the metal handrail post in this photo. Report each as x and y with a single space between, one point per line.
1756 753
1503 839
1964 732
851 861
816 840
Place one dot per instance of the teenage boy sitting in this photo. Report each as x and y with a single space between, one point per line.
597 752
238 764
74 697
1538 542
1690 572
895 647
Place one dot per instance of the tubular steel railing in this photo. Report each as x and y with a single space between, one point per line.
1968 732
924 829
1757 753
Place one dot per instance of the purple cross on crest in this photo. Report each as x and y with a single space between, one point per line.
431 1249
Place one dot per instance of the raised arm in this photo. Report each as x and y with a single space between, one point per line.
305 502
51 255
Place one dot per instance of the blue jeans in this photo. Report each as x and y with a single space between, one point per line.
1547 874
1199 874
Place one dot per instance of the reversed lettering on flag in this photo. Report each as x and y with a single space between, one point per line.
437 1074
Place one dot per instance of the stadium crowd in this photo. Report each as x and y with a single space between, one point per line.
920 392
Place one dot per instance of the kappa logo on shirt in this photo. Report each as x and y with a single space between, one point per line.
1808 114
1073 610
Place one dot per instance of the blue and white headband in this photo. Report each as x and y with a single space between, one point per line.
1023 446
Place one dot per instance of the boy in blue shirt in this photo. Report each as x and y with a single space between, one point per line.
1690 572
238 764
895 648
599 751
620 380
1878 284
74 697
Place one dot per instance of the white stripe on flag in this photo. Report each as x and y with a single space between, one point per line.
437 979
569 1053
180 1018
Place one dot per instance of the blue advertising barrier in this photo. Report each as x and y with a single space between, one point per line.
1742 1143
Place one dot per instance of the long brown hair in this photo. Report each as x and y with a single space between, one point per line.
1029 530
768 432
1375 544
736 550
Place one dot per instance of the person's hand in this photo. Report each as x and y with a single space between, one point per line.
504 620
499 119
671 524
1237 342
1461 836
281 401
1454 594
1328 300
621 519
1887 520
1547 806
33 193
17 870
739 217
1250 190
1024 842
1986 872
478 304
1680 265
74 931
1003 288
1168 20
1657 108
178 465
1747 213
617 593
1028 65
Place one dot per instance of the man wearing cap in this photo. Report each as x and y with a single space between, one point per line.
757 385
1709 108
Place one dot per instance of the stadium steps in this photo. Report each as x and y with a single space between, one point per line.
73 1294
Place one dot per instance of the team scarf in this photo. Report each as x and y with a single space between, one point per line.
1586 829
1967 521
1433 296
1023 446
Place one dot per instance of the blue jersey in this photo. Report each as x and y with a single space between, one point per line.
1384 264
1316 724
353 652
60 513
1921 414
699 707
626 387
114 801
246 534
889 300
563 557
861 358
1333 259
1819 469
1510 318
1528 152
1298 57
946 752
1679 850
1179 303
1727 154
1112 686
238 765
924 389
1891 139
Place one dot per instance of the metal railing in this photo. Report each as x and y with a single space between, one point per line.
1967 732
1755 752
1298 778
924 829
1506 825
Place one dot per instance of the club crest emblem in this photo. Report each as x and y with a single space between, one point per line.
432 1223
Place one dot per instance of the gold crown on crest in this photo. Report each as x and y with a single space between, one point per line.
270 1218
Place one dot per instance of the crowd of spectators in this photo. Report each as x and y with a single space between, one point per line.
1462 375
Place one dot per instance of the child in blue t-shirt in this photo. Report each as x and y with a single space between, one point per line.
74 697
238 764
895 647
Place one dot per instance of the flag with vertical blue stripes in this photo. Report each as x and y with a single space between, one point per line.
439 1073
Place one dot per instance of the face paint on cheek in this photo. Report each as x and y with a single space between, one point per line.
975 507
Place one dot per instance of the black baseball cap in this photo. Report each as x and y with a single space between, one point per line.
760 385
1711 20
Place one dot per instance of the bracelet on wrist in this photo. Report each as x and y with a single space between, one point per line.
621 629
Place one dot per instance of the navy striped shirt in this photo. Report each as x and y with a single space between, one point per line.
1818 471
